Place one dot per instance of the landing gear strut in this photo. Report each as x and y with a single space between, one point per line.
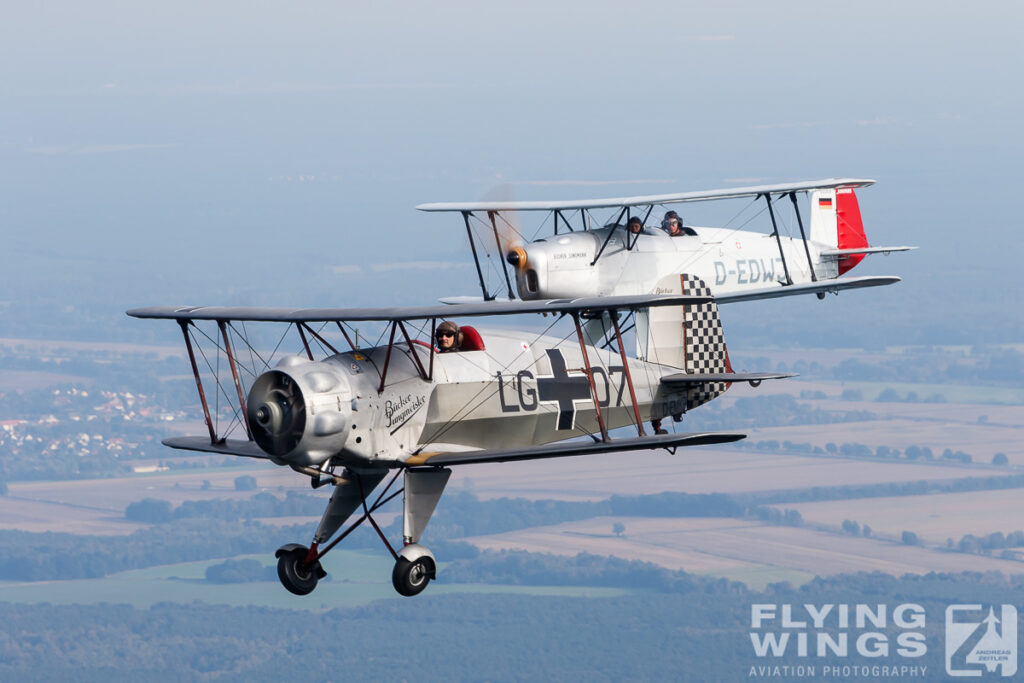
299 567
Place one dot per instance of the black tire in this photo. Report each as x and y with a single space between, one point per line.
297 576
410 578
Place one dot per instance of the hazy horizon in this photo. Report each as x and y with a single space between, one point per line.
248 154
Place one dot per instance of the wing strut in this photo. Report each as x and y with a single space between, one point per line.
501 257
778 237
234 374
305 342
399 325
625 367
800 222
476 257
316 336
632 239
415 353
199 380
387 359
347 338
558 215
611 232
590 377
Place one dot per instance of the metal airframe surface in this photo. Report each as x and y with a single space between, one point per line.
300 315
648 200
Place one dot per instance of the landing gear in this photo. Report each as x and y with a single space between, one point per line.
411 576
296 573
299 567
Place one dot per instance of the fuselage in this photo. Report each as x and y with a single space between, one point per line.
522 390
727 260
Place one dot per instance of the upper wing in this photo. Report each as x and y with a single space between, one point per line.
563 449
413 312
821 287
647 200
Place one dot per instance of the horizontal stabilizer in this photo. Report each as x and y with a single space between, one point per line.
563 449
836 253
686 378
246 449
821 287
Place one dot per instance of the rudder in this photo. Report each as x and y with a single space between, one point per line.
836 222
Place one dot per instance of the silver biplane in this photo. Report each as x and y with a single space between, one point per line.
357 416
628 252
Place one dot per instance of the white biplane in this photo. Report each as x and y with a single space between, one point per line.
354 417
623 254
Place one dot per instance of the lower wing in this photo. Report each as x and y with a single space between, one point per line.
562 449
821 288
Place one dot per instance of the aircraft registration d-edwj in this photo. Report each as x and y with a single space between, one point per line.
363 417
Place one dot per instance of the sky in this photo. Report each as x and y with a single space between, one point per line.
268 153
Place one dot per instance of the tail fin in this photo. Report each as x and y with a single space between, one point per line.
703 340
835 221
689 338
686 337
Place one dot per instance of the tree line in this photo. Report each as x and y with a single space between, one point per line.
701 633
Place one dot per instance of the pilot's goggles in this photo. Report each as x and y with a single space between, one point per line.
445 333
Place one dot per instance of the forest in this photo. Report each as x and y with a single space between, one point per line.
497 637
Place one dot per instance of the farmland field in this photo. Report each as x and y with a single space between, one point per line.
692 470
96 506
980 441
934 518
721 547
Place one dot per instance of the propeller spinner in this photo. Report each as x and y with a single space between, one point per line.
277 413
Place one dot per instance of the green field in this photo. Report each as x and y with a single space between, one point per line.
758 578
354 578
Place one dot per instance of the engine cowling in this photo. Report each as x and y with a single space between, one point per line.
299 412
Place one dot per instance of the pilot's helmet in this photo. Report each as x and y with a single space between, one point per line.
635 220
668 217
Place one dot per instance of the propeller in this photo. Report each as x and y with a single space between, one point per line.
277 413
506 225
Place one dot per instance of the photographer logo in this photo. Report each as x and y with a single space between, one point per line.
981 641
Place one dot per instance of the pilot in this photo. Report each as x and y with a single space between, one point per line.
448 337
672 224
635 225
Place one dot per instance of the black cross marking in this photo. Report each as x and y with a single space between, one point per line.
563 388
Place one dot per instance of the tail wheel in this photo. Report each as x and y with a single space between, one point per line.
410 578
297 576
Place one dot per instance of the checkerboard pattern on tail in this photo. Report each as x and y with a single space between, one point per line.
703 343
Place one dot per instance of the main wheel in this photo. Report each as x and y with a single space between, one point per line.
410 578
297 576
